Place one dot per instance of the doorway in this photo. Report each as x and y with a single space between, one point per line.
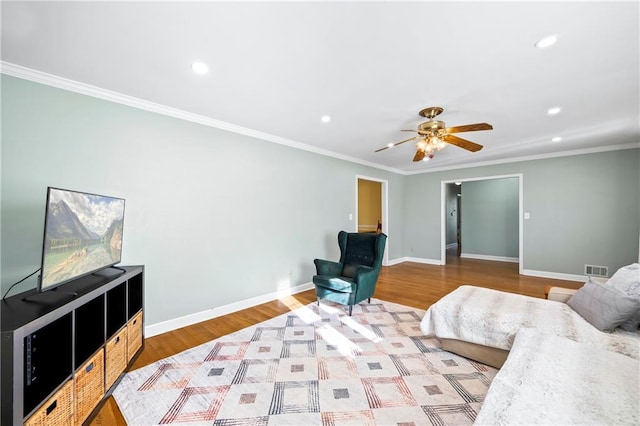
372 208
449 217
453 217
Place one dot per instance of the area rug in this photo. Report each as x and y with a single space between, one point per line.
312 366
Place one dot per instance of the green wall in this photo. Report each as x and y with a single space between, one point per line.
216 217
490 225
584 209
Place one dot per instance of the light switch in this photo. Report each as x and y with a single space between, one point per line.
527 215
350 216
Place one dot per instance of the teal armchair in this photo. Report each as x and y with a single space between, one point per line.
354 277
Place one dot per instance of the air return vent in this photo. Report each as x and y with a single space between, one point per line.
596 271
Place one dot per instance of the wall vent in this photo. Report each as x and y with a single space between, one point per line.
596 271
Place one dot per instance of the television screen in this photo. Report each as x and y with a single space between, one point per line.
82 235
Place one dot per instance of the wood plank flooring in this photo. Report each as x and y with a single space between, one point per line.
411 284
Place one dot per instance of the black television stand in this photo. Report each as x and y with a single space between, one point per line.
62 356
54 290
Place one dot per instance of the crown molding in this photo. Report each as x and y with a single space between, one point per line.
532 157
52 80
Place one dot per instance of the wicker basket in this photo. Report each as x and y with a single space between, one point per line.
116 358
58 410
89 381
134 332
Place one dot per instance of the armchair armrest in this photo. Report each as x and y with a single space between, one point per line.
559 294
362 273
366 278
327 267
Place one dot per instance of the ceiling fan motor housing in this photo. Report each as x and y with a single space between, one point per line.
431 128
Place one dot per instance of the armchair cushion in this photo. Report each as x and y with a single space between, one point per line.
341 284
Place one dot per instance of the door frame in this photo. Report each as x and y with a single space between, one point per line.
443 214
384 188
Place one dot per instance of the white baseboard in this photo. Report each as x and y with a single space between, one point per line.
529 272
173 324
489 257
414 259
554 275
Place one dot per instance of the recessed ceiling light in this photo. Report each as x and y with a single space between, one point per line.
554 110
325 119
200 68
546 42
556 139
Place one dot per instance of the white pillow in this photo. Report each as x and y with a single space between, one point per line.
627 281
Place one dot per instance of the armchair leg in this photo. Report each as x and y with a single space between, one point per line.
318 301
350 309
369 300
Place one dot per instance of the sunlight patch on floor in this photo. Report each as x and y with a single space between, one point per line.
342 343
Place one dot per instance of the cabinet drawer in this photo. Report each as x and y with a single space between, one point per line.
116 357
58 410
89 384
134 335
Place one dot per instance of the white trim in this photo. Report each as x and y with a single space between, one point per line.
175 323
385 211
521 224
396 261
489 257
581 151
416 260
52 80
443 213
554 275
97 92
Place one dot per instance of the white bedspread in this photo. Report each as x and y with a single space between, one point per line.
552 380
492 318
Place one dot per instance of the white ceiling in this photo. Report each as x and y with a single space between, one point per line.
278 67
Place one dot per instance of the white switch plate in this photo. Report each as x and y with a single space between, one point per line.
350 216
527 215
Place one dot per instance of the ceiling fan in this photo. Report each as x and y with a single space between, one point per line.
433 135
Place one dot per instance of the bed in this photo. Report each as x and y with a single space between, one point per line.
553 380
481 324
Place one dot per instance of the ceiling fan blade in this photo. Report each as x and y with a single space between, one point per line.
469 128
462 143
397 143
419 155
407 130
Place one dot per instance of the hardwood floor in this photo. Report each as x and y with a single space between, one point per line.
411 284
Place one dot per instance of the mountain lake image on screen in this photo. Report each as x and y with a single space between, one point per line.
82 235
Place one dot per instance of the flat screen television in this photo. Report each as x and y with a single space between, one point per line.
82 235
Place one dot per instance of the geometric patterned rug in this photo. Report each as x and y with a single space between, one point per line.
314 365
